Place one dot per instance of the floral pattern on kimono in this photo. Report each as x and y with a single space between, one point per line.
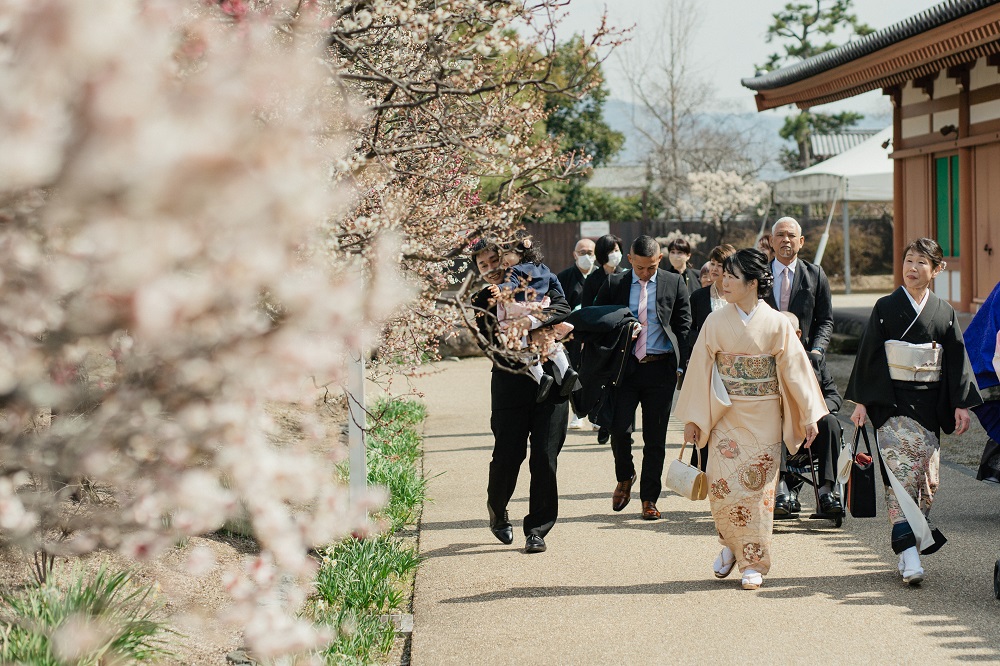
913 454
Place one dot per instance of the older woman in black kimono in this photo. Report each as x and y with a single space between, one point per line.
912 378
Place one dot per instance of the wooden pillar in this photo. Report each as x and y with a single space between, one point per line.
898 222
966 223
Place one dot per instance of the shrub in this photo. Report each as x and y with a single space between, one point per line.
82 620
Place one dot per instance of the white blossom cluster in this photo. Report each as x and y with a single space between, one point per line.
718 196
164 172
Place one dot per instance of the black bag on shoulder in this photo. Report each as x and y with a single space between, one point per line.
861 485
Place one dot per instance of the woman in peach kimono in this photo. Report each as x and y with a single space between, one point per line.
748 387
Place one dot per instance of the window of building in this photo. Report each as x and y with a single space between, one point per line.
946 204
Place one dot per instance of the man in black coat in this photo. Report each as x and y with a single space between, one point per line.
800 287
573 277
572 280
517 418
659 300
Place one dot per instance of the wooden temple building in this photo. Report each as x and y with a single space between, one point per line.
941 70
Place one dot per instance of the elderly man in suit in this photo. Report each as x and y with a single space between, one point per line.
802 289
572 280
659 300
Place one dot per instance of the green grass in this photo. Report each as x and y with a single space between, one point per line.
127 613
360 580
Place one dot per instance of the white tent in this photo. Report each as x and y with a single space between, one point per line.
863 173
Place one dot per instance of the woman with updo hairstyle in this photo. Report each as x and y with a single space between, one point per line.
912 379
748 387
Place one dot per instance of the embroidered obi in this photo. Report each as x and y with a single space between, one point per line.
910 362
746 375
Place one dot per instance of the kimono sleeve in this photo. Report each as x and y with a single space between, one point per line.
698 402
802 398
962 389
870 384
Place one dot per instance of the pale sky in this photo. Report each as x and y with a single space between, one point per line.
729 41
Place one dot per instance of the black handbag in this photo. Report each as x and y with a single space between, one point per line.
861 484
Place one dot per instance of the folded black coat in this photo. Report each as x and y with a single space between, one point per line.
606 334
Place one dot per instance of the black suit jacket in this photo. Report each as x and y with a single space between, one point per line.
701 307
812 304
571 280
673 307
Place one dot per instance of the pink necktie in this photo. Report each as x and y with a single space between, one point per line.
640 342
786 288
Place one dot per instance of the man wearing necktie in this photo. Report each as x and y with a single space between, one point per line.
660 301
802 289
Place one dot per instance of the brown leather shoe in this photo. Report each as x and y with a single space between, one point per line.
622 494
649 511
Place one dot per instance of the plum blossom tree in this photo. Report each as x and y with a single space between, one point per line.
718 197
205 204
164 171
450 144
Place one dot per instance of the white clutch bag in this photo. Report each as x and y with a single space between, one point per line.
685 480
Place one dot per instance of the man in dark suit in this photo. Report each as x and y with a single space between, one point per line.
802 289
572 280
516 418
659 300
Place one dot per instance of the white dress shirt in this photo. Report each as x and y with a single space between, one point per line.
776 268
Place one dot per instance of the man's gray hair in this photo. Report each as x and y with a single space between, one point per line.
798 227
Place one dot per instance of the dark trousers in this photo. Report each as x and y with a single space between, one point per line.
652 386
825 449
517 419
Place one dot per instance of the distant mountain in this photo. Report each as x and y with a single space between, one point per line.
624 116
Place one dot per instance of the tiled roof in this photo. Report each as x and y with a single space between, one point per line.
926 20
828 145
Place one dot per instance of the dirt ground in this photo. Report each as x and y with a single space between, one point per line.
192 603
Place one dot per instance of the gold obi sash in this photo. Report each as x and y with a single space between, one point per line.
909 362
746 375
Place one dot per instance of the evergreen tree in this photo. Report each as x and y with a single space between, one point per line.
806 29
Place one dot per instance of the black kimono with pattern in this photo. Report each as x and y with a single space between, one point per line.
931 404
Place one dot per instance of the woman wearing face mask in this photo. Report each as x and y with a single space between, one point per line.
608 252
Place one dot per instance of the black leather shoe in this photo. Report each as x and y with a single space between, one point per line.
829 504
782 509
501 527
534 544
794 506
996 580
544 387
569 382
603 436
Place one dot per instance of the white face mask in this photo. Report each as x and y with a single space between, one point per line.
614 258
585 262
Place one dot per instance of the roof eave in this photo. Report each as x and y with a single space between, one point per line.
960 41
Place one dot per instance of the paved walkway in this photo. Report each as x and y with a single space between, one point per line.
613 589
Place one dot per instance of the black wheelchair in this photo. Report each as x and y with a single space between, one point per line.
800 470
